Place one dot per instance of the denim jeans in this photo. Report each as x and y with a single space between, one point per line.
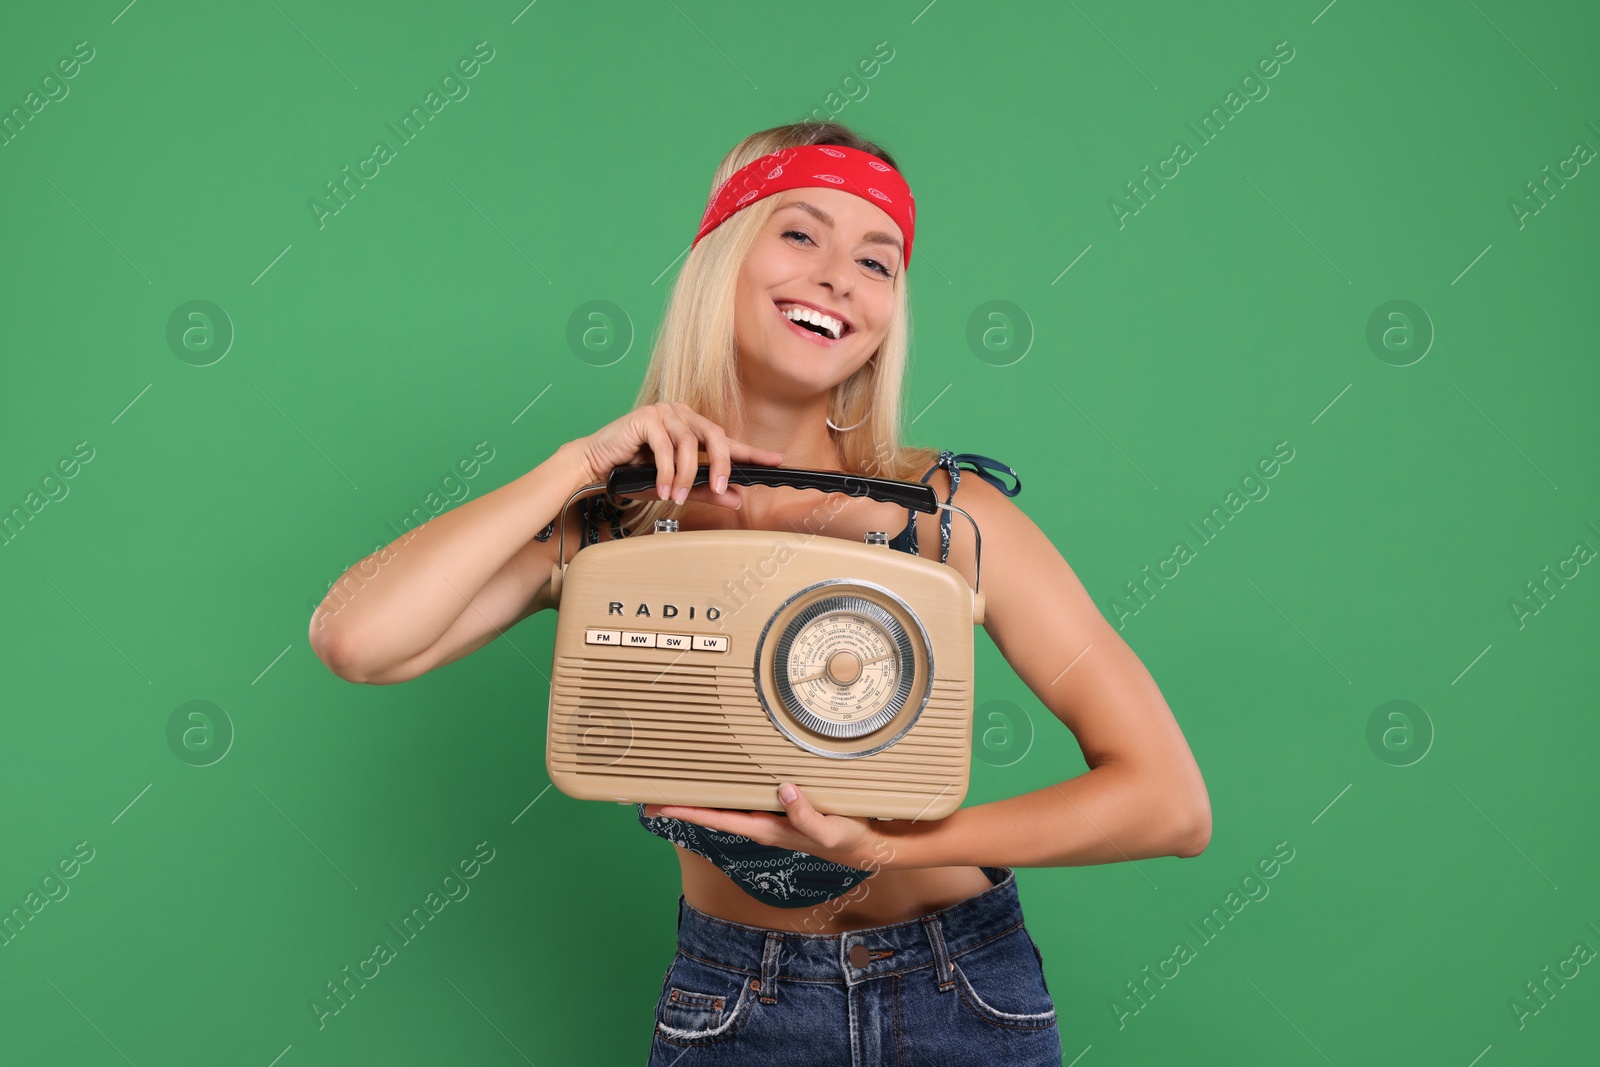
960 986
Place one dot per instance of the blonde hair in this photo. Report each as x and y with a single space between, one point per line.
693 360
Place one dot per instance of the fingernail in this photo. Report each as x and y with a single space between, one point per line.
681 495
661 491
722 484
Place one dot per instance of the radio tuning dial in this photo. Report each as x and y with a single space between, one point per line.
842 665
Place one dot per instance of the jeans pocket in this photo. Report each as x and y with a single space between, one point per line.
1002 982
702 1004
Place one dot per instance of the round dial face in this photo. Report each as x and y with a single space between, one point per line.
843 666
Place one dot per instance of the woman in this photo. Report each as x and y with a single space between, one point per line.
807 937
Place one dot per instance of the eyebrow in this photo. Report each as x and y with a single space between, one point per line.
877 237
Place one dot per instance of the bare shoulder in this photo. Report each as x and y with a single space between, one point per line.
1024 578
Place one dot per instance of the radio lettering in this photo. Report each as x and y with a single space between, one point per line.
668 611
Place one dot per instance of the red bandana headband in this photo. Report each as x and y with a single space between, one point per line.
811 166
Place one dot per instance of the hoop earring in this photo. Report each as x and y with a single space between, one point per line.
864 418
842 429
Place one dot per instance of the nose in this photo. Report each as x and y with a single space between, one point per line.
834 270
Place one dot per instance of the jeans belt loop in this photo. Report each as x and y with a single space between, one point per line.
942 967
769 968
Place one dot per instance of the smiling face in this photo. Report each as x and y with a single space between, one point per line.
816 291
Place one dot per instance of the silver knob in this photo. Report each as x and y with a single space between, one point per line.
666 526
875 537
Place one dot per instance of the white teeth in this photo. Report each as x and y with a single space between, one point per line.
797 313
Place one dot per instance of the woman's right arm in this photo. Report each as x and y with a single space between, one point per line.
451 585
456 582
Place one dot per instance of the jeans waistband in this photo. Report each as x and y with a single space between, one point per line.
856 955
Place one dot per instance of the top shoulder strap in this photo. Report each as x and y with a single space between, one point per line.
983 467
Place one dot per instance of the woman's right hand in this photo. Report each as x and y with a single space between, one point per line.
673 434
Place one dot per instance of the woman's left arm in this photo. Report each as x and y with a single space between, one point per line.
1142 796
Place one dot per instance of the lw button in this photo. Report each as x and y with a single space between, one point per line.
859 956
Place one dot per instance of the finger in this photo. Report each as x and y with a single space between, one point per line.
661 446
717 458
688 457
719 466
679 420
802 816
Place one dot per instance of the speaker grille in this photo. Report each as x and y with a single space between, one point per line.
675 721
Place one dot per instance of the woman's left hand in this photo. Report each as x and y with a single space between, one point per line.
842 839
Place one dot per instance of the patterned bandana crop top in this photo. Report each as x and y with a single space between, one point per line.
781 877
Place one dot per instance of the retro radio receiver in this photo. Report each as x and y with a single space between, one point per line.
705 667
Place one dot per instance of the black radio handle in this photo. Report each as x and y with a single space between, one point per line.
625 481
918 496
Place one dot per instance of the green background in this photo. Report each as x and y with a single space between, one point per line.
1437 868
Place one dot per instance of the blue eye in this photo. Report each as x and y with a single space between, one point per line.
879 267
